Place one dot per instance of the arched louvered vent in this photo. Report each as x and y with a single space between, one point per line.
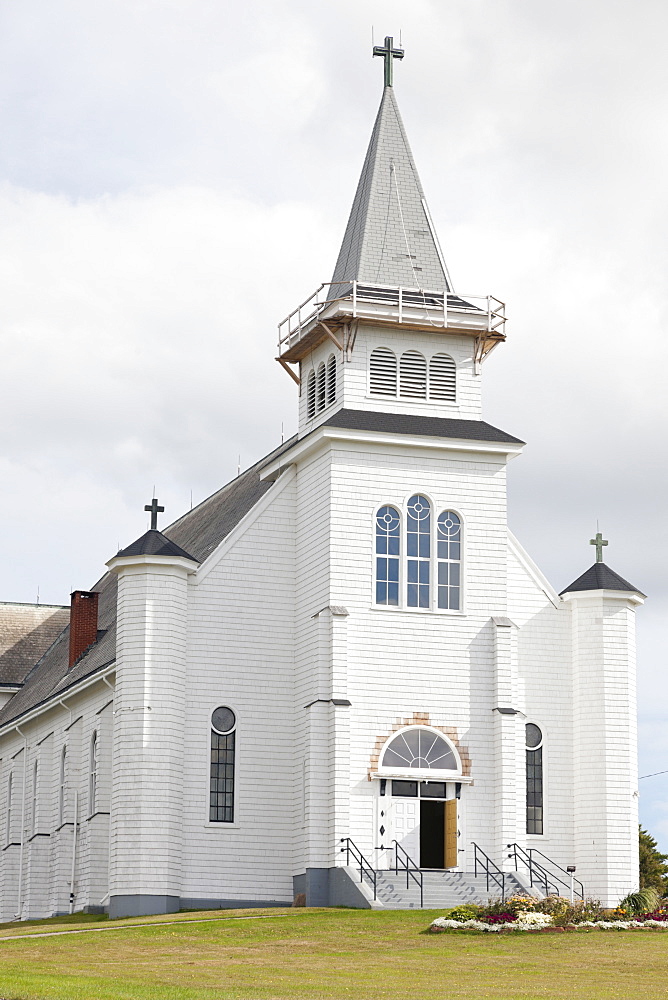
331 379
383 372
413 375
310 395
321 387
443 378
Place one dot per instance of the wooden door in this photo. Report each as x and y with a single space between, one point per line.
450 833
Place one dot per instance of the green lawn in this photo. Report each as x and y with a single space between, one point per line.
308 954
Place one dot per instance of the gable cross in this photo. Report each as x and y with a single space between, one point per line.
389 54
599 542
154 510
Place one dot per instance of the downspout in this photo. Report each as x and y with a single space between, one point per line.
19 891
75 829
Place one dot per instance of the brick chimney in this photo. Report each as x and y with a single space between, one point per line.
83 623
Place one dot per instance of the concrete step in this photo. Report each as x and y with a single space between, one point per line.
441 889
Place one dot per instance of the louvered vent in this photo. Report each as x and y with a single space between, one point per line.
310 395
321 387
383 372
331 379
413 375
443 378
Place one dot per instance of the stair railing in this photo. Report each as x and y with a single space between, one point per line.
366 870
489 869
541 875
404 862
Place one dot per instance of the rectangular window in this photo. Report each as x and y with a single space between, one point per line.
408 789
535 791
221 787
432 790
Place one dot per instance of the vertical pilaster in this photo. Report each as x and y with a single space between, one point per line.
508 741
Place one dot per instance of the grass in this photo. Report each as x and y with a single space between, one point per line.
308 954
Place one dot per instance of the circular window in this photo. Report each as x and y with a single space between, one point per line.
223 719
534 736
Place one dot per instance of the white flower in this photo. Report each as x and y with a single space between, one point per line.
530 919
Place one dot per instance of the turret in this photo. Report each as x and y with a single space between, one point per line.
605 785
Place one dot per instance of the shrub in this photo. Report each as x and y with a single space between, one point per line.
563 912
466 911
643 901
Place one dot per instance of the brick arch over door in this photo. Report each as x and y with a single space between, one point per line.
419 719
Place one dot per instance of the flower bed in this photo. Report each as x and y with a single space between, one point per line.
554 913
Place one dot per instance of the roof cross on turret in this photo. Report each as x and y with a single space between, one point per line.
389 54
154 510
599 542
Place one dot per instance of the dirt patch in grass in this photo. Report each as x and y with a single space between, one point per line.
311 954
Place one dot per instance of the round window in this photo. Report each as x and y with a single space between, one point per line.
534 736
223 720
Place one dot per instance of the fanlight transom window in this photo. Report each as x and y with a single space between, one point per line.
419 748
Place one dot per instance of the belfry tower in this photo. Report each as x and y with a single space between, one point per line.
390 275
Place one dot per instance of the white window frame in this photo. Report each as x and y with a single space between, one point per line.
215 825
436 510
35 794
412 400
419 773
8 811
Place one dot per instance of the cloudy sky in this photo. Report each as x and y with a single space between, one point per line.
175 176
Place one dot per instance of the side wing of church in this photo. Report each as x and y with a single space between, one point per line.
341 664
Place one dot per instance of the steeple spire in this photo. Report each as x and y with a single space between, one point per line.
390 238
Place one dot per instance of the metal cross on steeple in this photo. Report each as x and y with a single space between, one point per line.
154 510
389 54
599 542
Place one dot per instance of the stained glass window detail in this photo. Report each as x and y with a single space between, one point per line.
221 782
419 748
448 545
387 555
418 552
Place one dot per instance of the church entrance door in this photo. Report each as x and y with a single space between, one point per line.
438 833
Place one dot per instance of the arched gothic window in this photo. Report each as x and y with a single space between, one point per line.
448 544
388 542
310 395
442 378
418 551
383 372
221 779
331 379
62 786
92 776
534 762
413 375
419 748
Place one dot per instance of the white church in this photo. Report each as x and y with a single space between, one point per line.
340 679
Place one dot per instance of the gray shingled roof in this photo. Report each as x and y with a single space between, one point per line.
26 632
388 239
154 543
198 532
601 577
410 423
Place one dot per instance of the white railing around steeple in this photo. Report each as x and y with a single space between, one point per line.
488 312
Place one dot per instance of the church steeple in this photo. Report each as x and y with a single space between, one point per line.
390 238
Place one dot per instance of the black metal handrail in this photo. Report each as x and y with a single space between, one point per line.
365 868
541 875
490 869
406 863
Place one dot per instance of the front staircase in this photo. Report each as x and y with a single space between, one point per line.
440 889
407 887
